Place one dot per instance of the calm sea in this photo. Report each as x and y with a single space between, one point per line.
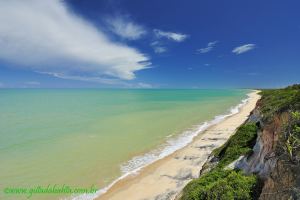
85 137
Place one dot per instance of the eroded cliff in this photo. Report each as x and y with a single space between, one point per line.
272 155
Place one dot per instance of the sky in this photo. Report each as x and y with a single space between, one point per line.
149 44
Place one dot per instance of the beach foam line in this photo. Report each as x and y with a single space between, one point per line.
134 165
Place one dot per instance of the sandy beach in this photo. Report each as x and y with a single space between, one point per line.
166 177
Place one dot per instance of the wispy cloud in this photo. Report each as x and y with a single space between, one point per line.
45 36
177 37
243 49
208 48
101 80
95 79
158 47
124 27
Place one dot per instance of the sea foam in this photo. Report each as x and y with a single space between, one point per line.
134 165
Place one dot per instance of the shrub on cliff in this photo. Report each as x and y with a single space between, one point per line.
274 101
240 143
220 184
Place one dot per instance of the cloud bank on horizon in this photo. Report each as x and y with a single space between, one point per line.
42 35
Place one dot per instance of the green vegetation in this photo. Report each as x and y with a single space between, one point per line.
220 184
240 143
279 100
226 184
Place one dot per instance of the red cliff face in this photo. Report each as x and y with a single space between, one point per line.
280 178
281 181
263 159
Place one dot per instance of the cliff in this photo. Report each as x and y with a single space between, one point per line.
264 154
276 153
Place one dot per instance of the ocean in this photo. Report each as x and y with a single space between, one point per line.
92 137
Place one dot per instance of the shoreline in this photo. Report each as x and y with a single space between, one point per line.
166 176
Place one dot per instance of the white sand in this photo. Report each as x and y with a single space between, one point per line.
166 177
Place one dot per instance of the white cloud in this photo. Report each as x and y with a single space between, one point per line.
125 28
177 37
243 48
45 36
158 47
208 48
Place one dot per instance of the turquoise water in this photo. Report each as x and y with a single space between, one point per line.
81 137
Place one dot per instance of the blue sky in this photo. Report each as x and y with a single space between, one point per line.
149 44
